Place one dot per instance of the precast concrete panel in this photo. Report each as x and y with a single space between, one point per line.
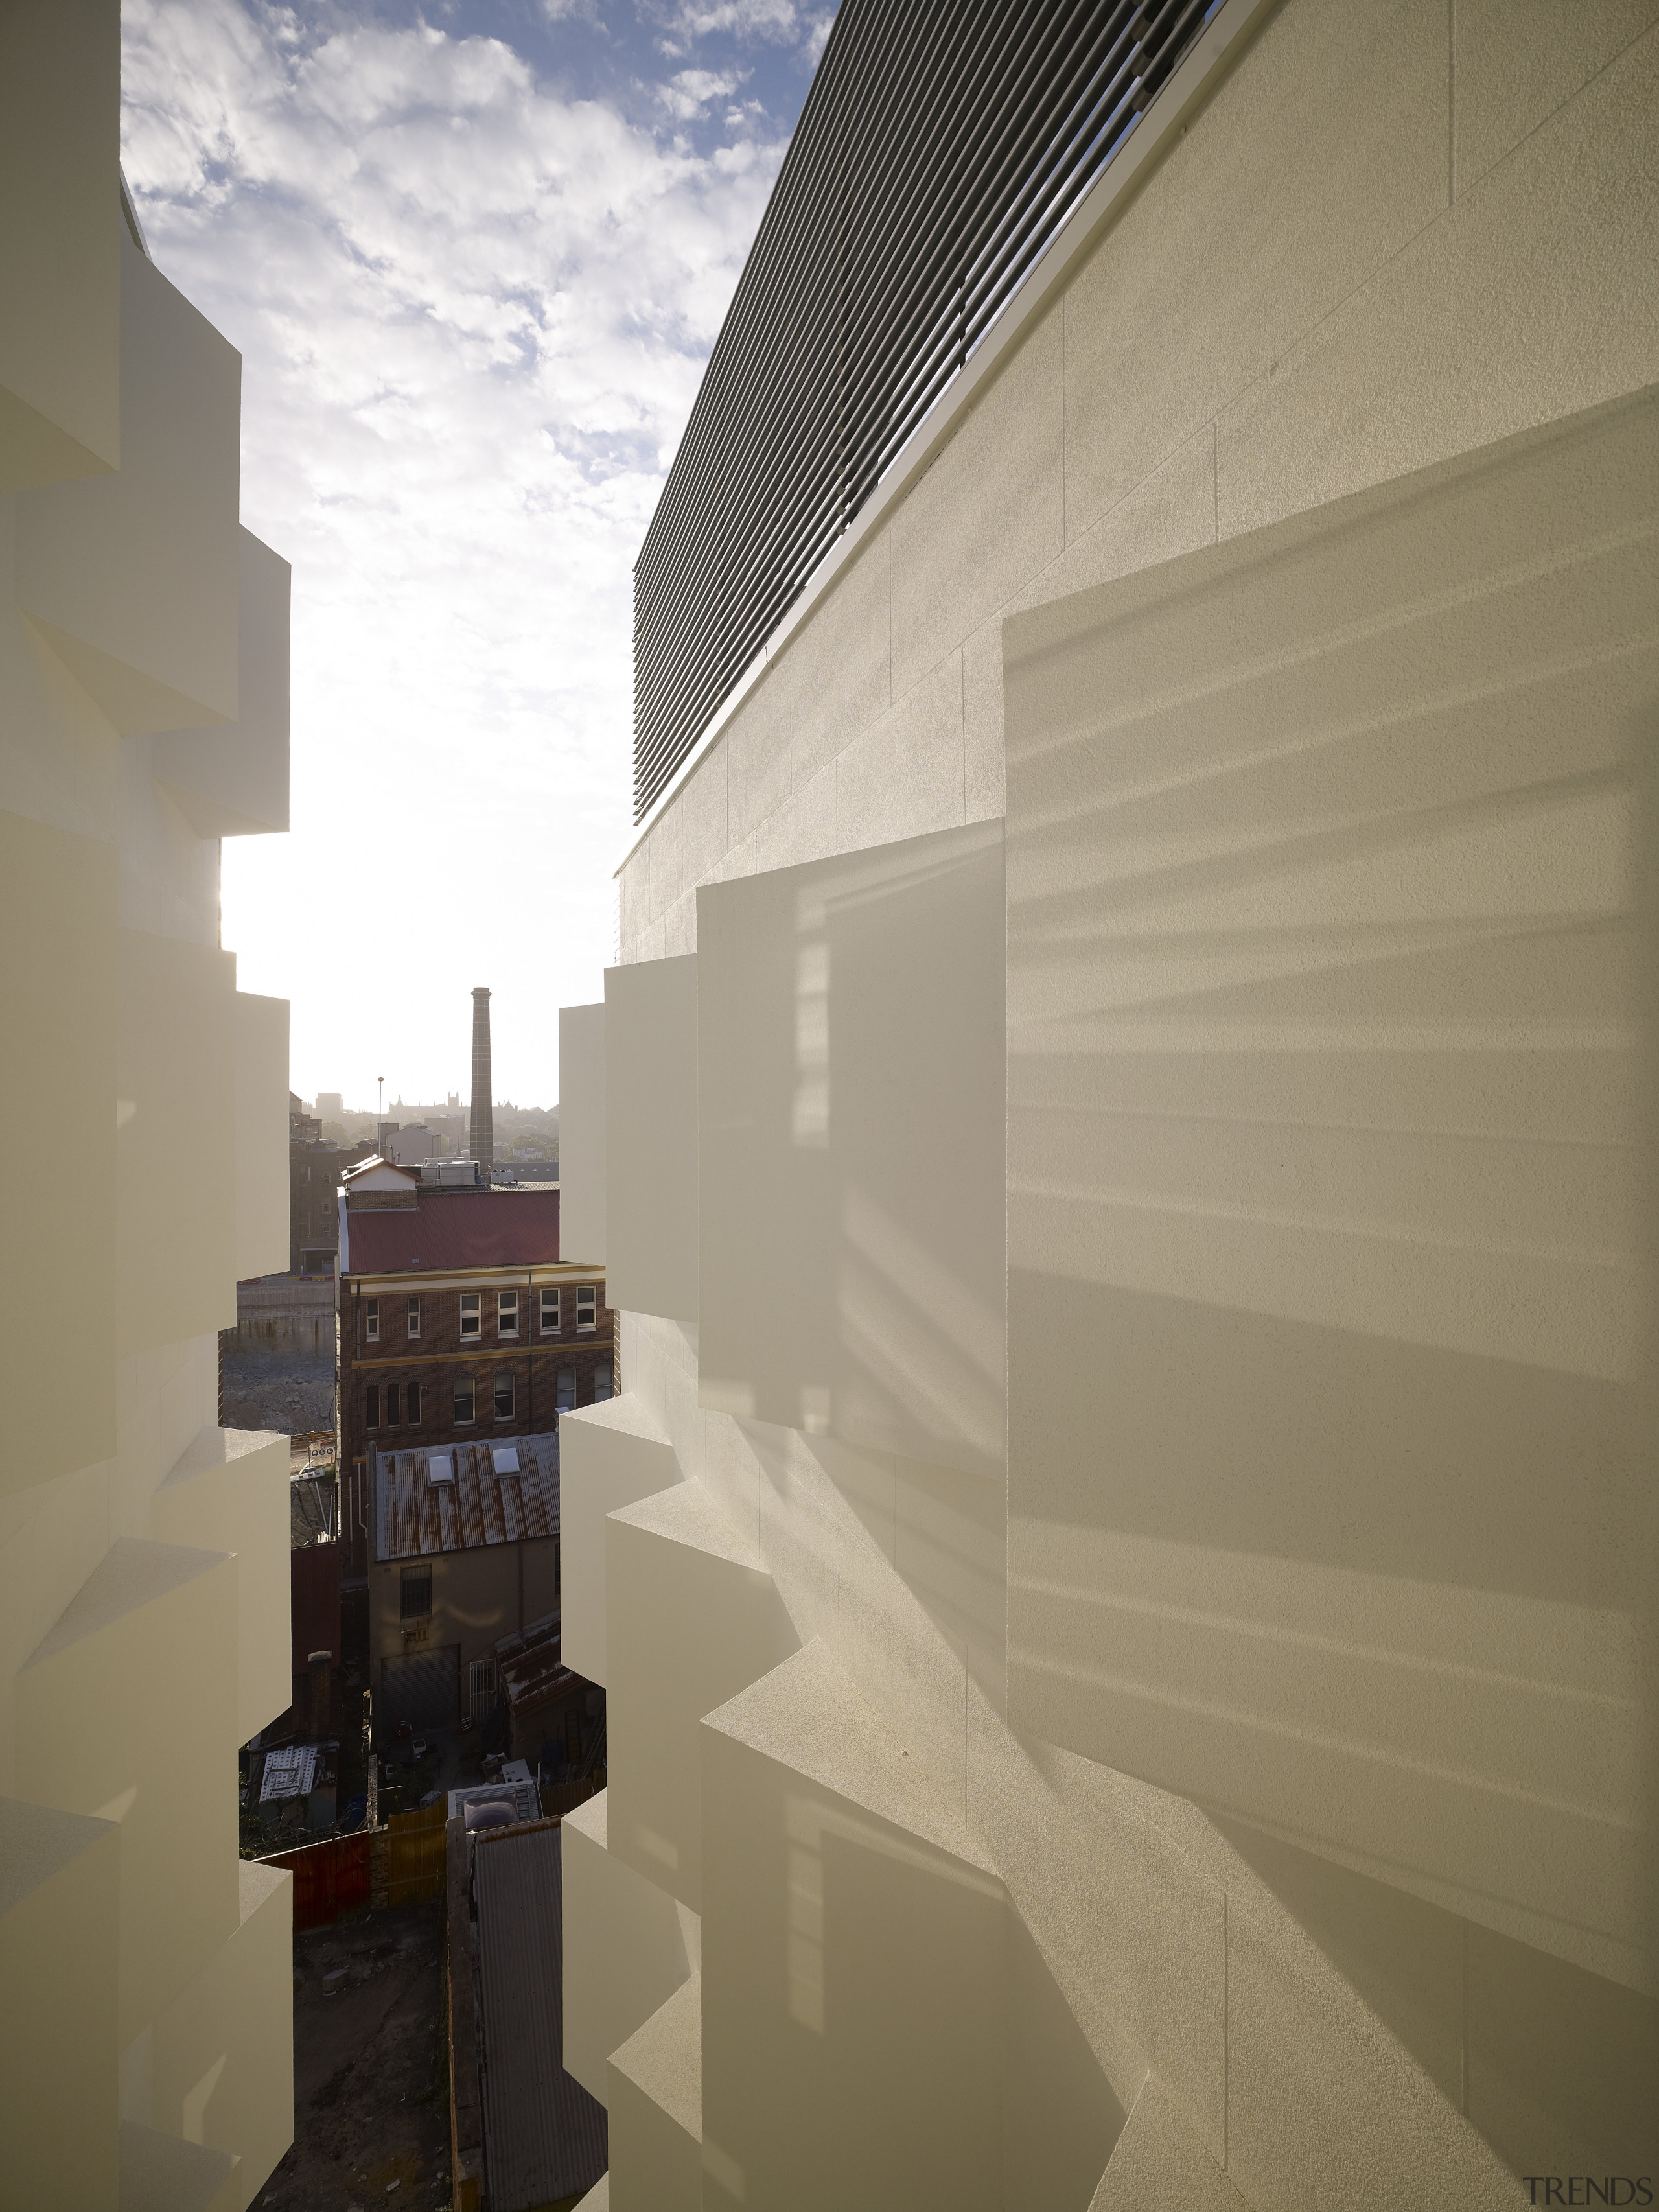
628 1946
581 1134
651 1137
232 780
60 269
693 1617
229 1492
655 2100
1330 1033
132 579
259 1037
58 1017
163 2173
853 1964
850 1132
1159 2164
176 1131
220 2064
611 1455
123 1714
145 1612
59 1912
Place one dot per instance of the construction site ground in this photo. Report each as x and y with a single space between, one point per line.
371 2086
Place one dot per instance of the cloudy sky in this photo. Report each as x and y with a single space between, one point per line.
474 255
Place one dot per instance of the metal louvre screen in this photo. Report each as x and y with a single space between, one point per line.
941 147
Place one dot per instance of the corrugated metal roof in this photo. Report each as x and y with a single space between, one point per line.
414 1515
544 2136
529 1664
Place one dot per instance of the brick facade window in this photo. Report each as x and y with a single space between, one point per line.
413 1316
587 1306
549 1313
372 1396
392 1404
414 1405
564 1389
415 1594
603 1386
372 1319
507 1313
464 1402
504 1394
471 1312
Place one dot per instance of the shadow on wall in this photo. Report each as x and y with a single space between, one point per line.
850 1073
1331 1113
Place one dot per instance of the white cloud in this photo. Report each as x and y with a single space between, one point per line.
473 315
688 92
777 20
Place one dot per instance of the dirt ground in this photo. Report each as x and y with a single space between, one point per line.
371 2087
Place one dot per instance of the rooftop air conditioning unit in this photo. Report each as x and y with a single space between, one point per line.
494 1804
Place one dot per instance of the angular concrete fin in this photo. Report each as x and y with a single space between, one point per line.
229 1491
650 1139
581 1134
623 1416
628 1946
662 2058
215 1447
808 1715
655 2104
854 1945
37 1844
1160 2166
136 704
232 780
132 1574
160 2174
59 1932
694 1618
611 1455
688 1515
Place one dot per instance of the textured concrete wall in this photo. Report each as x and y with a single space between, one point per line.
1397 233
142 1551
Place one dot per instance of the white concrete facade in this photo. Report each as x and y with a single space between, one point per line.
1279 1681
143 1550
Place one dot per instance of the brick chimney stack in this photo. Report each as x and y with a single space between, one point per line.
484 1117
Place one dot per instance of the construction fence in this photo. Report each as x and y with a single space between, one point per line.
401 1863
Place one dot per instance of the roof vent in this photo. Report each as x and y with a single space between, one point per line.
505 1458
441 1467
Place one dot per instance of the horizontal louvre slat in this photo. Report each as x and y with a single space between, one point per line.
940 149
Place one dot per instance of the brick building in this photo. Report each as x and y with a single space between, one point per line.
458 1323
463 1552
314 1168
313 1187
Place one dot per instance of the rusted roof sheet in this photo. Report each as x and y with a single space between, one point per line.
414 1517
511 1508
489 1497
530 1667
535 1510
